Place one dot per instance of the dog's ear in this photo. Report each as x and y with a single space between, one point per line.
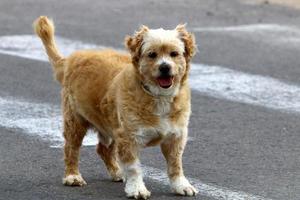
189 47
188 40
134 43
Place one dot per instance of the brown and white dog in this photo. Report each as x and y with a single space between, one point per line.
132 101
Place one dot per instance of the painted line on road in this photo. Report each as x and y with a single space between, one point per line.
30 46
44 120
215 81
268 33
36 119
209 190
224 83
251 28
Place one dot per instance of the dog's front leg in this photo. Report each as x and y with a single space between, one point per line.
128 157
172 149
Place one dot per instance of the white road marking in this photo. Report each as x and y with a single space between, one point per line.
36 119
44 120
268 33
251 28
241 87
216 81
30 46
204 189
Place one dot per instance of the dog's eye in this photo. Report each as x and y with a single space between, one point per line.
152 55
174 54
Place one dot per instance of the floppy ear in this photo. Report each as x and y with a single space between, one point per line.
134 43
189 48
188 40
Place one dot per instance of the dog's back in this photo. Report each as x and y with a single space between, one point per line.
90 65
85 75
90 73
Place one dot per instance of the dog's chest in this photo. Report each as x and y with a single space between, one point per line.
150 136
153 135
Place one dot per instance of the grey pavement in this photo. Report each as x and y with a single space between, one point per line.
237 146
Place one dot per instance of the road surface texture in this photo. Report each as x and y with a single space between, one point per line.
245 127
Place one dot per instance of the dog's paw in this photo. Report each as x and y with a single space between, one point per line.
137 190
139 194
74 180
117 177
182 187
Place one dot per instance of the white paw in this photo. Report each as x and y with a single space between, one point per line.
182 186
74 180
137 190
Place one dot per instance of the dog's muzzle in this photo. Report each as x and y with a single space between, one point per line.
165 79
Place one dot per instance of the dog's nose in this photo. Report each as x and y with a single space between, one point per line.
164 68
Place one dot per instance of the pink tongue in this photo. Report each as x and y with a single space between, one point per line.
165 82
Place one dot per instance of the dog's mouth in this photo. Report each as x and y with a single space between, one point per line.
165 81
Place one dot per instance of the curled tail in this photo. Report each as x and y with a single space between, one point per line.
44 28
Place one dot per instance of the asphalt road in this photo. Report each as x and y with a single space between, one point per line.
235 145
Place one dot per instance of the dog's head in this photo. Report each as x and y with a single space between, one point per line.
161 57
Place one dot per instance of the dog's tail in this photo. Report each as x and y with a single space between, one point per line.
44 28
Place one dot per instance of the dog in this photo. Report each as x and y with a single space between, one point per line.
132 100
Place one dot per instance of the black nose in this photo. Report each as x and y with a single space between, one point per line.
164 68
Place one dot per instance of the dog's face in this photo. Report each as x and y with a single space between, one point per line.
162 57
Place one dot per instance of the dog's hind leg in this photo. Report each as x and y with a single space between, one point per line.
109 156
75 129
